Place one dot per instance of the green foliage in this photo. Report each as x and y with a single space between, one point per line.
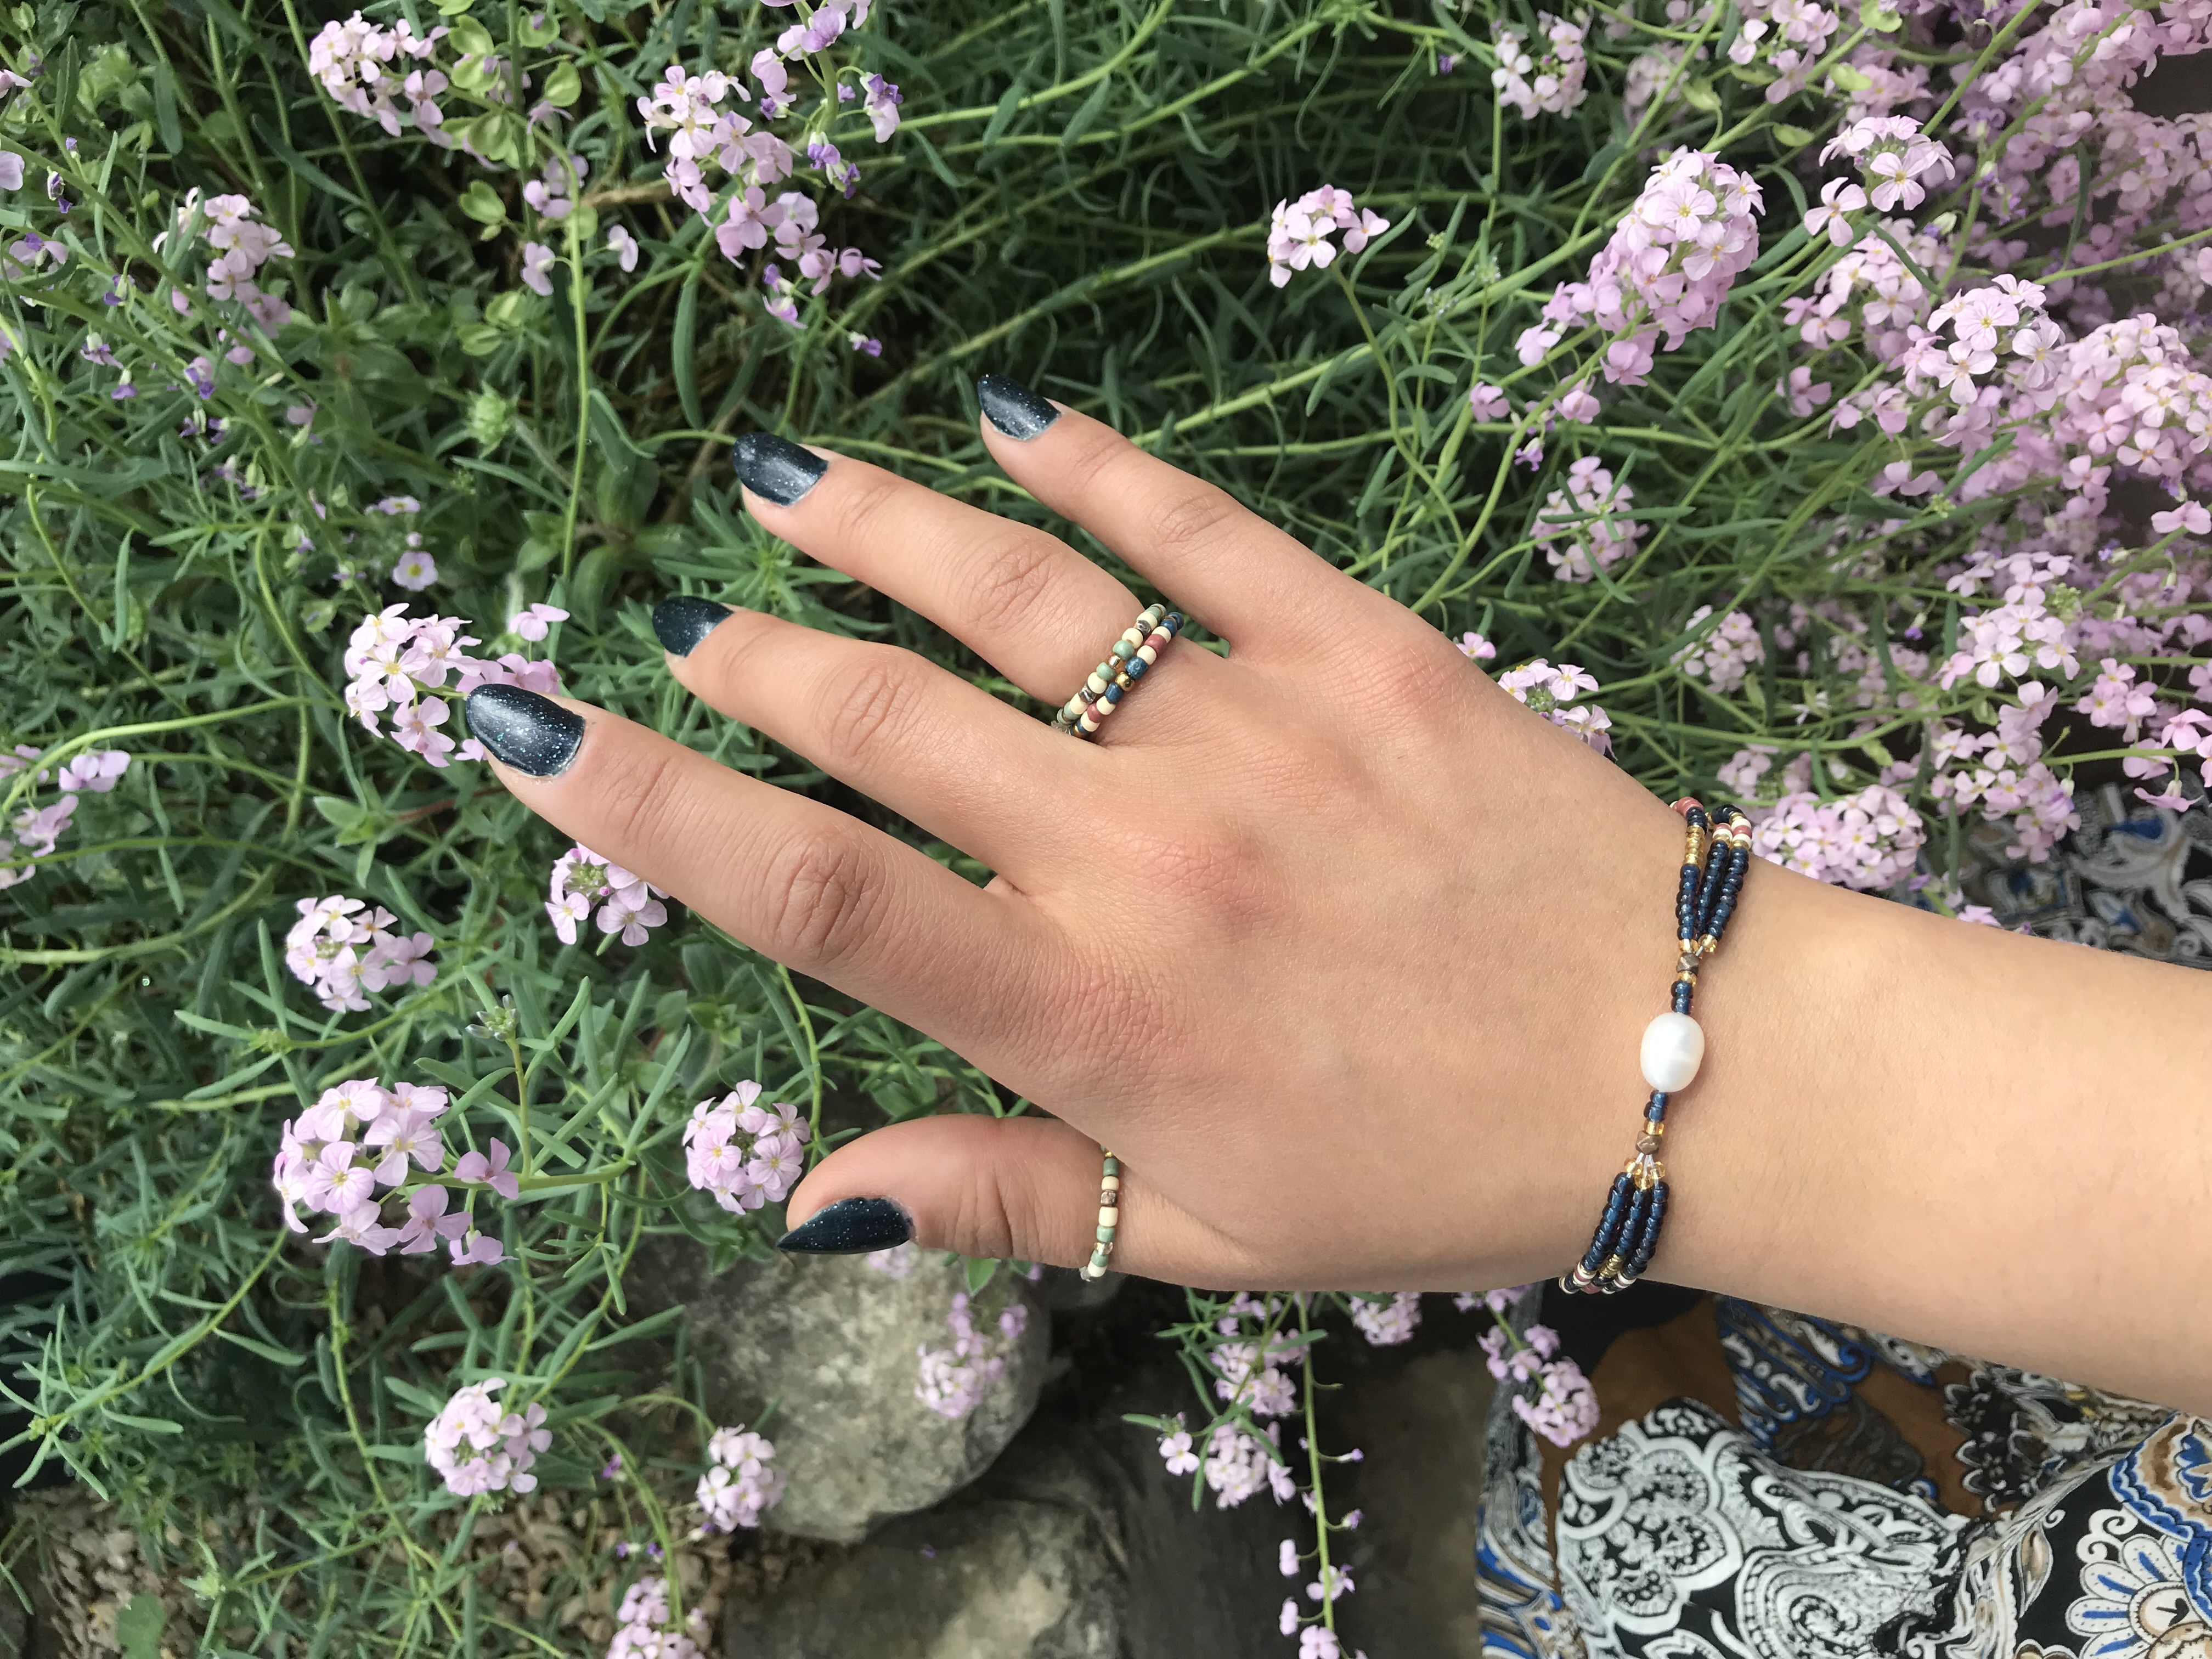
1078 197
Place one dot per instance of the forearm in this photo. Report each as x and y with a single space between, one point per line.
1996 1145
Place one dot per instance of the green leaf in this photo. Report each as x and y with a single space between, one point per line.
538 28
145 1424
682 347
1596 168
1795 137
470 38
563 86
340 814
165 108
1849 79
138 1627
268 1350
980 1270
1087 111
1009 106
1700 96
483 203
1878 17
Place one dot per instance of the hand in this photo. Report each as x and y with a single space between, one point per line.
1341 949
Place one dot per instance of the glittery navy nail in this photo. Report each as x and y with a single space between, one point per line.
1013 407
851 1226
776 467
683 622
531 733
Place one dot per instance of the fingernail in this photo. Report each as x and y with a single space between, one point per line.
850 1227
531 733
1012 407
683 622
776 467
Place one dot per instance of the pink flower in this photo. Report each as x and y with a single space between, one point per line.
476 1168
97 772
1476 648
1175 1448
474 1249
623 246
536 262
1838 196
534 623
405 1135
1487 403
427 1221
2190 516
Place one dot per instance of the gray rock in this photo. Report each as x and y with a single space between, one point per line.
1030 1572
1077 1544
835 1344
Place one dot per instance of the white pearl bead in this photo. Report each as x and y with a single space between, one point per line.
1673 1047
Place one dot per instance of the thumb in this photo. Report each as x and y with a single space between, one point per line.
1022 1187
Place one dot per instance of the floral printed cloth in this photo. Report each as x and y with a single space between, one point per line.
1763 1485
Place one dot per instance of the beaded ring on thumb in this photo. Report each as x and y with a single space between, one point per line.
1110 1215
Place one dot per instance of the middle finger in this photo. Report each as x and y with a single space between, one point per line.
1026 602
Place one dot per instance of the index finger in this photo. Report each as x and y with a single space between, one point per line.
819 892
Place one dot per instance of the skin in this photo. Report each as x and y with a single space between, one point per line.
1347 955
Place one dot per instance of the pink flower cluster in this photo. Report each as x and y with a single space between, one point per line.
1893 155
1867 840
628 903
743 1152
1783 38
1298 231
1583 516
358 1137
367 70
1565 1407
645 1629
1385 1324
1250 1366
1724 655
396 660
243 245
477 1448
1239 1465
1549 81
954 1380
36 831
1551 692
1672 259
739 1482
702 133
341 947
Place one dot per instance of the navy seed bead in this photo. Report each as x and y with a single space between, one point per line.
1696 816
1648 1241
1135 667
1681 997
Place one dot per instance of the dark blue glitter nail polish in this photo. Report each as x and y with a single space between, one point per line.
531 733
851 1226
1013 407
776 467
683 622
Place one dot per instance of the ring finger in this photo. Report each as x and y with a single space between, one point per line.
1024 601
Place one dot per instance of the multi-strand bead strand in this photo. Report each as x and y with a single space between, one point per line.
1716 852
1109 1217
1132 654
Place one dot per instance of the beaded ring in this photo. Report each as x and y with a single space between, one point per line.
1135 652
1674 1047
1110 1215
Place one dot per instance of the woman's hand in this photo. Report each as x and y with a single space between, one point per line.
1342 950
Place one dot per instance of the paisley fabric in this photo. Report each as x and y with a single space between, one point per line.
1764 1485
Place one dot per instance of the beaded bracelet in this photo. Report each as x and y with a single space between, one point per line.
1133 653
1109 1217
1674 1047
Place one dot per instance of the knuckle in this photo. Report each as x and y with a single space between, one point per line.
871 700
823 900
1185 520
643 799
1011 583
864 499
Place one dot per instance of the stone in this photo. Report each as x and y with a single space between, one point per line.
835 1342
1419 1426
1031 1572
